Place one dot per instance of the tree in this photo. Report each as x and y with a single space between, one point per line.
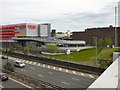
100 43
108 41
9 66
94 42
52 48
26 50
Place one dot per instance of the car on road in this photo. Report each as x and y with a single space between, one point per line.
4 57
19 64
3 76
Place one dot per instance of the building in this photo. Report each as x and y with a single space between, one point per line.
44 30
53 33
100 33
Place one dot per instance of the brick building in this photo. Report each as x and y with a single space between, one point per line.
102 32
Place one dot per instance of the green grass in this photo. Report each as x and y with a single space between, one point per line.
78 56
107 53
87 55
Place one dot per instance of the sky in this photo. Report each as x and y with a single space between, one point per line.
73 15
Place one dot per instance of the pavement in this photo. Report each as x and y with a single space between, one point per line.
11 83
55 75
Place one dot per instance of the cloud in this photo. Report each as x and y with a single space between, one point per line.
62 14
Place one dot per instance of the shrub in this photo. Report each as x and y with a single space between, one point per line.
9 66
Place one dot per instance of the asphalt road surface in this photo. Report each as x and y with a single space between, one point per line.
13 84
62 79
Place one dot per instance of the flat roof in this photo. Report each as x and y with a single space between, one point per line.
51 40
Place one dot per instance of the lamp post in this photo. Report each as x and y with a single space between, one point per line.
116 27
96 39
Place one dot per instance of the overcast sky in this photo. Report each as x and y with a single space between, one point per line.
73 15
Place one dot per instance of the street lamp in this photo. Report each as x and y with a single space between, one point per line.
96 39
116 37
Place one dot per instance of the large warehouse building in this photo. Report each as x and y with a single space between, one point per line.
100 33
24 30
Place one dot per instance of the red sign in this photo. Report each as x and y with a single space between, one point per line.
31 26
22 26
9 27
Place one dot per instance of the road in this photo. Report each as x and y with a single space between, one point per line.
60 78
11 83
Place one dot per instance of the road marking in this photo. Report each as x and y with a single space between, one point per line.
23 61
22 70
65 83
14 59
40 75
43 65
39 64
50 73
53 67
32 68
26 61
20 83
60 69
91 76
34 63
48 66
74 72
82 74
30 62
1 86
66 70
20 59
75 79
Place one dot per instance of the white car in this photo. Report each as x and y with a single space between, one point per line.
19 64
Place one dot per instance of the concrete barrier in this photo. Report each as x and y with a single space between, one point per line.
60 63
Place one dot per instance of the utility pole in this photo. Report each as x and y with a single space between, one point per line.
96 48
116 44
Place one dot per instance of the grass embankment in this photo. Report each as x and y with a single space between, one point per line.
87 55
107 53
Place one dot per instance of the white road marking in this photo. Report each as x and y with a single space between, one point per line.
53 67
1 86
66 70
60 69
32 68
20 59
91 76
22 70
50 72
39 64
30 62
82 74
48 66
43 65
40 75
14 59
20 83
34 63
74 72
23 61
65 83
75 79
26 61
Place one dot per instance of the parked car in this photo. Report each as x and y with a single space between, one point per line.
4 57
19 64
3 76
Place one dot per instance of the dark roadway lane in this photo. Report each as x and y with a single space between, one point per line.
59 78
11 84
